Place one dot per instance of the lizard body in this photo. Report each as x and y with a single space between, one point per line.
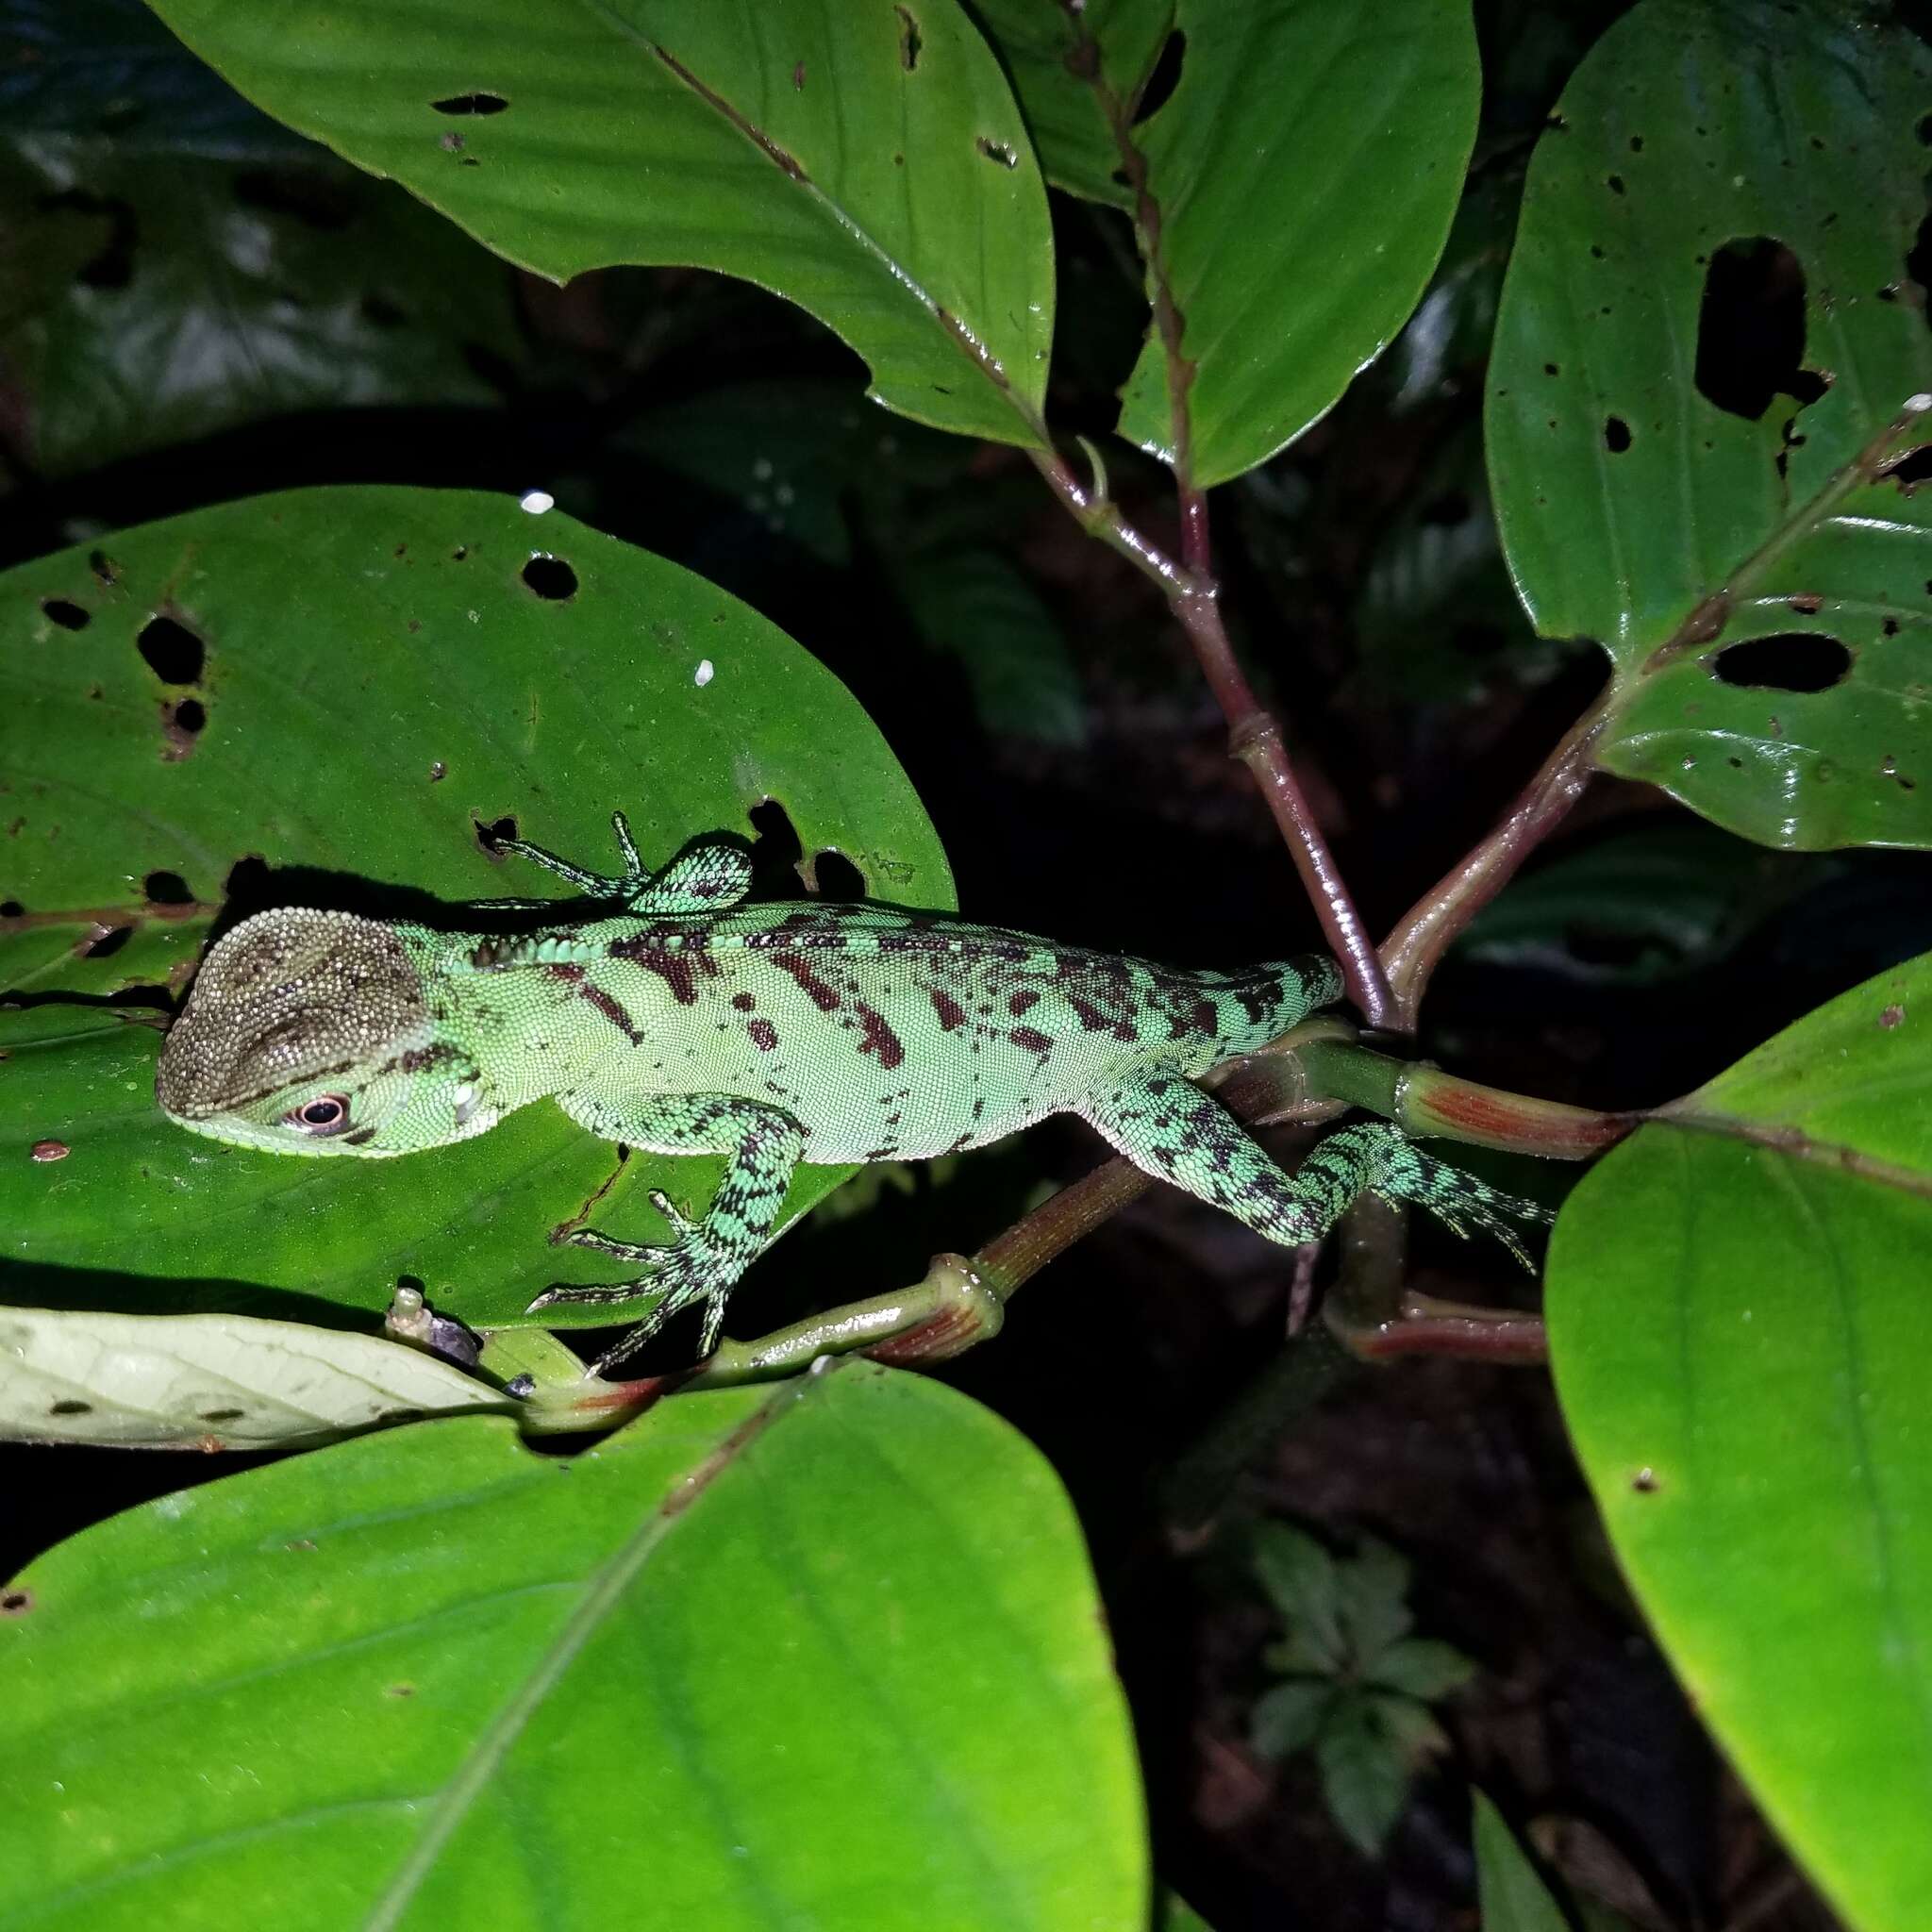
689 1022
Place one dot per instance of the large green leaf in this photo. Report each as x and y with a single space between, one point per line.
1716 229
864 159
1077 70
360 679
828 1657
1306 167
155 299
1737 1317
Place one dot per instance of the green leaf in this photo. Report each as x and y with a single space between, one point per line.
1287 1718
110 67
156 299
1306 167
1642 907
427 1679
1076 72
1422 1667
1513 1898
799 458
1365 1774
372 676
978 609
1299 1576
1369 1590
212 1381
864 159
1663 486
1173 1913
1736 1320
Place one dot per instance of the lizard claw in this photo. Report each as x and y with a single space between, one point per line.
681 1222
625 1250
632 1339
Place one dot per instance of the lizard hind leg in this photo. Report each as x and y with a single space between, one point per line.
1168 1127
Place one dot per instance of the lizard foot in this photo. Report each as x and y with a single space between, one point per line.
1463 1204
681 1275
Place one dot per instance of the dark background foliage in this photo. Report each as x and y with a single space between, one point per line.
196 306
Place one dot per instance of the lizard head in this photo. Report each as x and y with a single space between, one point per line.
309 1032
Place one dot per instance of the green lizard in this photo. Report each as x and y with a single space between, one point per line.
684 1021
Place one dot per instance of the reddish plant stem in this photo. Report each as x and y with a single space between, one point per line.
1425 1326
1412 951
1193 590
1432 924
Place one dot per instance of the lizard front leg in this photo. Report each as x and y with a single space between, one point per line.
1168 1127
704 1262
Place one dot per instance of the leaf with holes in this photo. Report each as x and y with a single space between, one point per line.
1305 168
753 1660
1713 319
214 1381
863 157
1080 72
1737 1317
155 299
318 698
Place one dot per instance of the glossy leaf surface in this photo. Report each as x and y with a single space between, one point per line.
1708 325
1737 1314
1075 70
1307 169
756 1660
867 163
339 687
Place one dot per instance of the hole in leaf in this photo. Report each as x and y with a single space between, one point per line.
103 567
1924 129
835 877
70 1405
1751 330
775 852
911 41
1614 183
16 1603
551 578
190 717
1793 660
311 199
112 267
171 651
68 616
11 908
471 104
1616 949
997 151
490 837
105 943
166 889
1913 469
1163 79
1919 256
1616 435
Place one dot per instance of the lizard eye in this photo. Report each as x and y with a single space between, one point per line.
327 1114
